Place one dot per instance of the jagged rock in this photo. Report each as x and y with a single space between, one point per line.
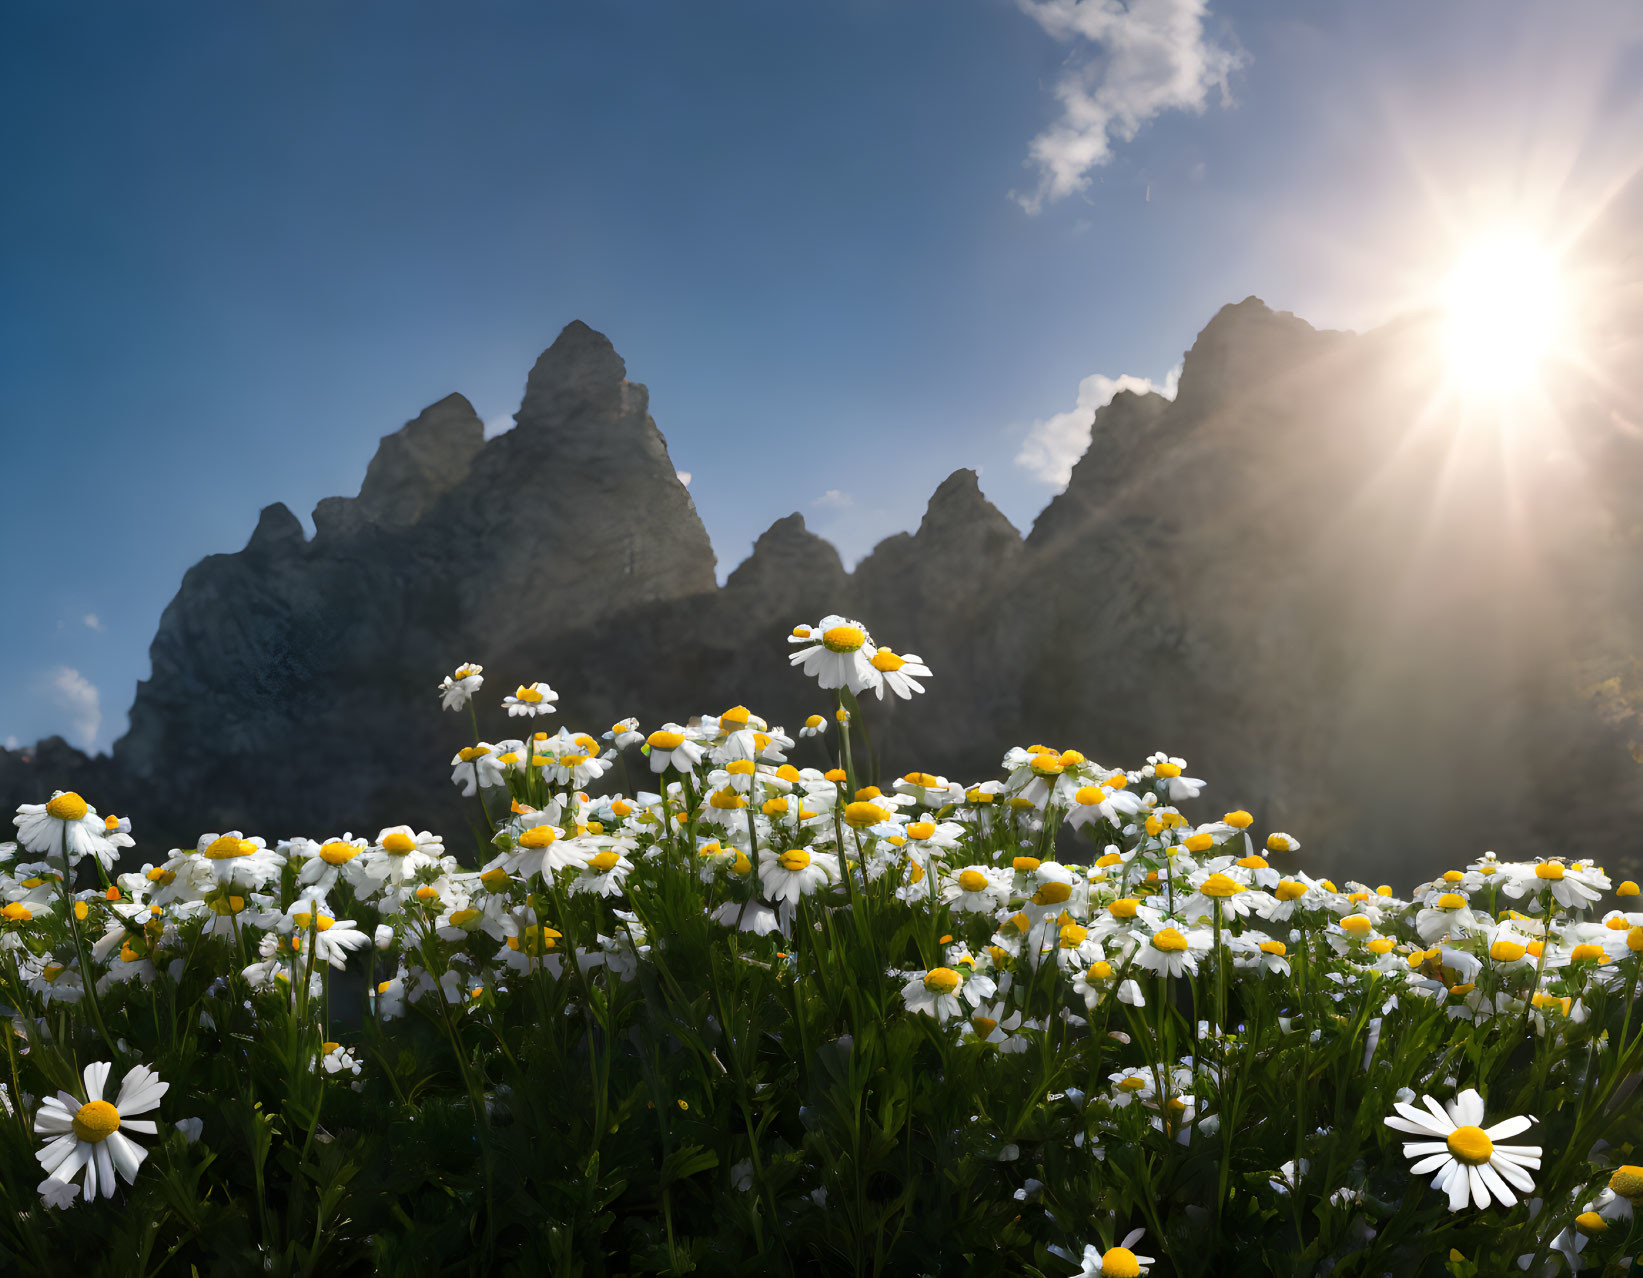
1365 625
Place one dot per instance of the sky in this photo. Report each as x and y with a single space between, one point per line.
849 247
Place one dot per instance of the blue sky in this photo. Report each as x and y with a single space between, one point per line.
849 247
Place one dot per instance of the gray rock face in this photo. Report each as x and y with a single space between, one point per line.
1400 638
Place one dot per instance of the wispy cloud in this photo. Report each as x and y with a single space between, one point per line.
73 692
833 499
93 622
684 477
1054 444
1127 64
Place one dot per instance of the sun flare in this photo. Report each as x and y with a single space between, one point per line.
1505 304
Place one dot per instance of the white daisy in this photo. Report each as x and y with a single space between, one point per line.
88 1134
67 821
399 852
899 674
1115 1262
530 699
671 747
455 690
977 888
839 655
786 876
1470 1166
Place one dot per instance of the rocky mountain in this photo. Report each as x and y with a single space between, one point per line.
1401 634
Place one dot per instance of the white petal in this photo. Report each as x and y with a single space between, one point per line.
1415 1127
1470 1106
91 1170
96 1074
1415 1148
79 1154
1508 1128
1515 1176
1446 1122
128 1155
1480 1191
144 1125
1430 1164
105 1169
52 1120
1497 1186
1457 1186
54 1153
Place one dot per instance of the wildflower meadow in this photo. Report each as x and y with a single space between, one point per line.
714 997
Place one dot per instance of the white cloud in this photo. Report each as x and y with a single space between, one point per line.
498 425
684 477
73 692
12 743
1053 444
833 499
1128 64
93 622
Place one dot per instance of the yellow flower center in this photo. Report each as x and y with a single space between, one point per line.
494 880
461 918
1052 893
1549 870
1100 970
96 1121
794 859
67 807
1470 1146
398 843
1089 795
735 717
469 753
16 912
887 661
814 721
1289 890
941 980
1507 951
337 852
843 638
1357 924
1253 863
1166 770
1277 843
726 800
1220 885
304 920
1628 888
1047 765
1451 901
983 1025
1587 954
921 830
1381 945
1133 1083
1026 864
972 880
603 861
1589 1222
228 847
536 940
1634 939
1108 859
1124 908
526 694
1239 820
1120 1262
666 740
1072 936
1628 1182
1274 947
860 815
1169 941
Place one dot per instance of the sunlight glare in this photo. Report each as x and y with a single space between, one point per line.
1504 301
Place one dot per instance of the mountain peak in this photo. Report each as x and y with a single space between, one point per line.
580 370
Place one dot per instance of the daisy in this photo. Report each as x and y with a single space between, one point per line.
786 876
1281 842
334 938
232 860
399 852
939 993
1469 1165
1115 1262
1167 772
477 765
1169 952
1574 887
671 747
66 823
979 889
839 655
603 873
88 1135
624 733
333 860
899 674
814 726
455 690
530 699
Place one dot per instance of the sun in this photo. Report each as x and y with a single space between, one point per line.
1504 302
